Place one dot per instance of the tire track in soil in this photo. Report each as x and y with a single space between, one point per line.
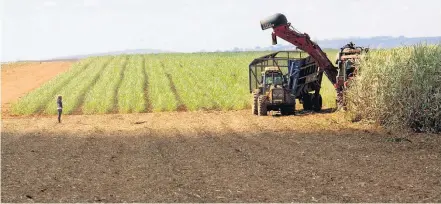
149 106
118 86
42 107
181 107
78 110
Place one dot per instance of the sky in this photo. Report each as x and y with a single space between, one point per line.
43 29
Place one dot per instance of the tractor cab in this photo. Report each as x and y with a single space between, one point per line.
272 77
273 83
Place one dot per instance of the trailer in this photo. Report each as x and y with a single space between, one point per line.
276 80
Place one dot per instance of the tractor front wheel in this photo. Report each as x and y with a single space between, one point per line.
255 105
262 108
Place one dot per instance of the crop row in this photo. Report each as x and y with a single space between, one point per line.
131 94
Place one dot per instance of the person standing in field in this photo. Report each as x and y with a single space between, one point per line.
59 107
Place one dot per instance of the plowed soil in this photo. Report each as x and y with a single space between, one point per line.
214 157
19 79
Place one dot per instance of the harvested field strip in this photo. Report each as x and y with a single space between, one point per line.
131 97
36 100
102 97
74 92
160 95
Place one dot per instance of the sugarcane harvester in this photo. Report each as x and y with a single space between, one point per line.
298 69
348 62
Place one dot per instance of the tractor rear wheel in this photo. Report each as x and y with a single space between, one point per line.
261 106
307 102
254 105
316 102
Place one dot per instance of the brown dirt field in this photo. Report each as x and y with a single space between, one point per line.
20 78
214 157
